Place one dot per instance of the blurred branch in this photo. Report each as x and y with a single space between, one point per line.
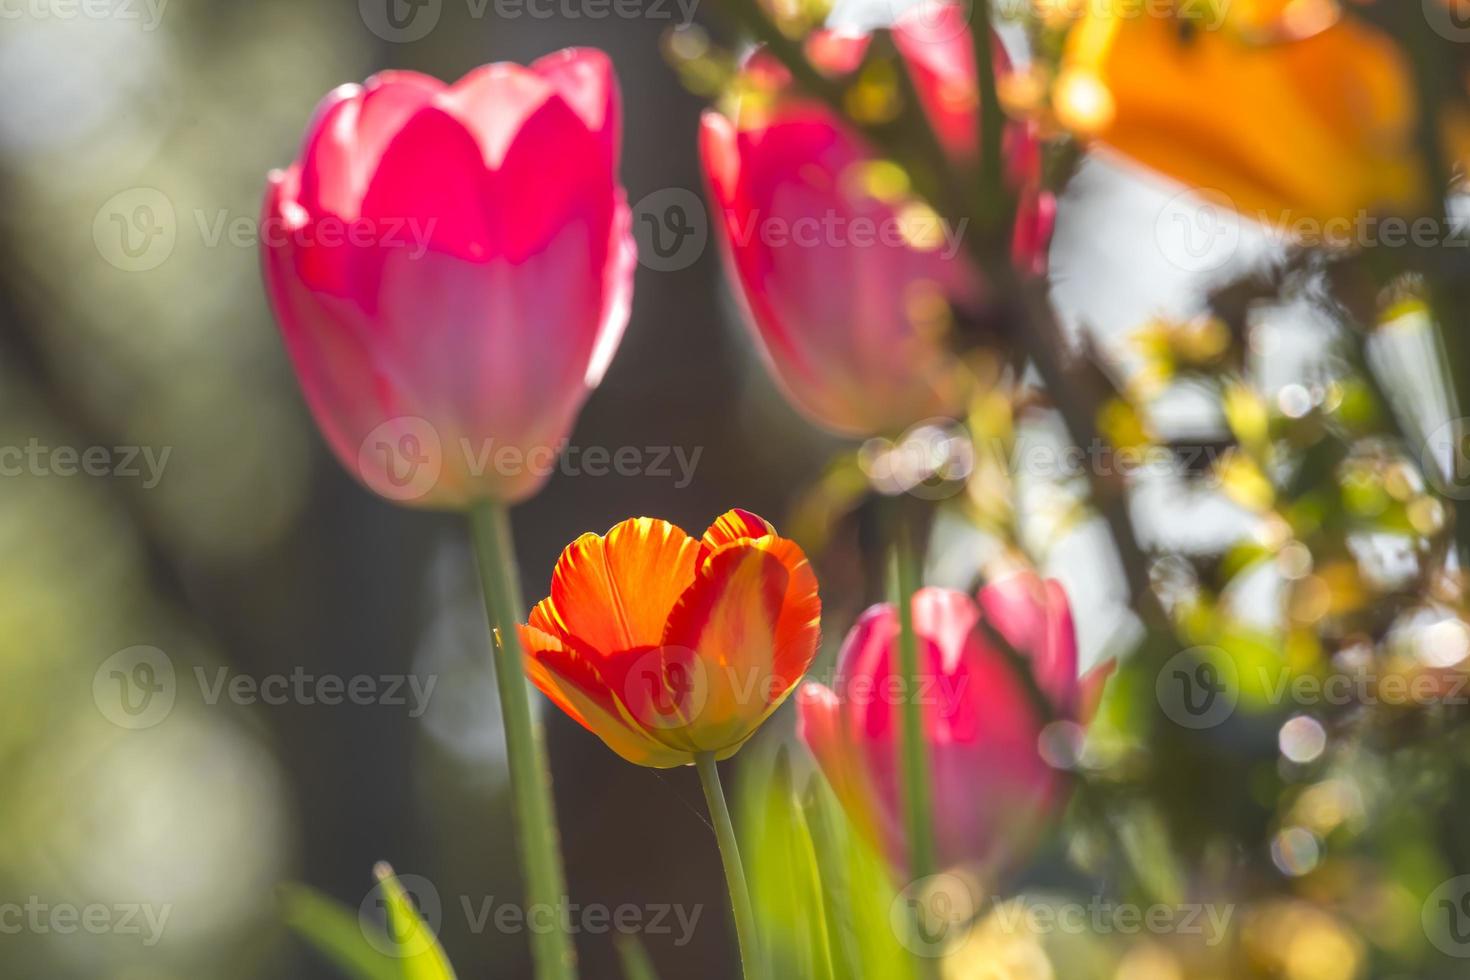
1448 282
909 140
992 205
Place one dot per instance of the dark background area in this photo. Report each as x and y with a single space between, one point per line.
255 552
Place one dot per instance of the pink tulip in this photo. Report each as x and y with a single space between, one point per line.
992 790
452 268
846 279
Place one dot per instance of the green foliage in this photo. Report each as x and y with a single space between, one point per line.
357 946
823 897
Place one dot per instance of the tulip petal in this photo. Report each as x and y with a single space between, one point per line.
934 40
349 133
494 101
615 592
1035 617
988 778
821 725
574 683
617 292
527 245
584 77
731 526
449 208
753 616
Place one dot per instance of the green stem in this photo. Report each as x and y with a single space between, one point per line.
918 801
714 794
991 122
530 779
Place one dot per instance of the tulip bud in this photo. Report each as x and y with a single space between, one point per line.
451 267
849 281
992 789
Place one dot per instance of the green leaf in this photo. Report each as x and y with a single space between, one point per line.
422 956
409 949
336 932
636 963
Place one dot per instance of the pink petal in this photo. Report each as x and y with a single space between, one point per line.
1037 620
584 77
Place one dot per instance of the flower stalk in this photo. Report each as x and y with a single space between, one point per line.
744 913
530 778
918 810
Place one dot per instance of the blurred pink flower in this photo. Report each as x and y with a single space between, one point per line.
992 790
451 268
845 276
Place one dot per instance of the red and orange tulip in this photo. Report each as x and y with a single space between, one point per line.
667 646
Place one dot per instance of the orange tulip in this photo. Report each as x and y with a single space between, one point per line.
665 646
1292 110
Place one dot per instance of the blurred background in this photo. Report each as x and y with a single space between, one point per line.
134 144
182 555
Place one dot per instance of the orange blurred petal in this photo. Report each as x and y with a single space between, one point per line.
1318 128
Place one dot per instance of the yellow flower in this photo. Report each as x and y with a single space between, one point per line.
1288 109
